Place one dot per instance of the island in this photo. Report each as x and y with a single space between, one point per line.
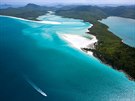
109 49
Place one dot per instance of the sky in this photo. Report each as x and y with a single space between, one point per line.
70 1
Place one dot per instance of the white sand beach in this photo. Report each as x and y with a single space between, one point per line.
77 41
80 42
43 22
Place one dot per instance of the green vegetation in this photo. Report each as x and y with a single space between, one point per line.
101 12
109 49
30 11
121 11
112 51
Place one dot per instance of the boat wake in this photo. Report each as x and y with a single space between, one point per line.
35 87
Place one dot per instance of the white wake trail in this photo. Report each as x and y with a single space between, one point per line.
35 87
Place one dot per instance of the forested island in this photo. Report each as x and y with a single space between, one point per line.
110 49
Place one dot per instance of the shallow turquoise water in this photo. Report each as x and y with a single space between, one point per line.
123 28
35 58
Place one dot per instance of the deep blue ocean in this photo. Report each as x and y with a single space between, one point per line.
36 64
124 28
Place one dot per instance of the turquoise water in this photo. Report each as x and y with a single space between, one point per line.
35 61
123 28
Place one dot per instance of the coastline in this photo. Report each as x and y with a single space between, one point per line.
105 62
102 59
126 27
80 42
89 45
93 52
73 39
39 21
